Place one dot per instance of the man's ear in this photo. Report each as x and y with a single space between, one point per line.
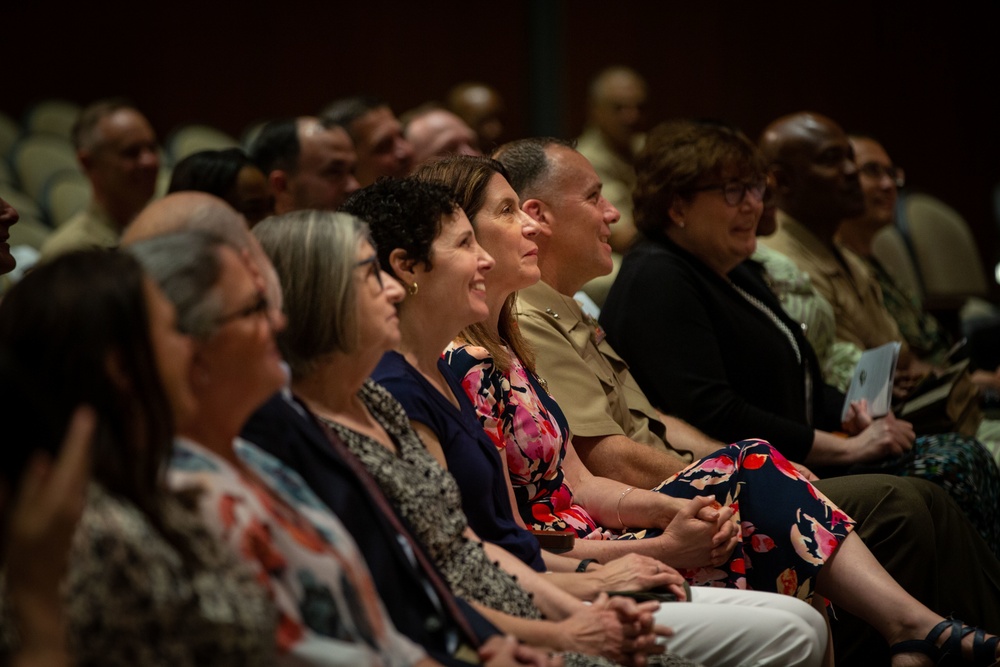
781 178
538 211
278 184
402 266
86 159
277 181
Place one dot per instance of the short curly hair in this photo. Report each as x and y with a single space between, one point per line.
402 213
681 155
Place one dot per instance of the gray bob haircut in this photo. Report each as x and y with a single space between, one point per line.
186 265
314 254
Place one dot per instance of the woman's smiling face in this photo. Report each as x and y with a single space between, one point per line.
506 233
455 285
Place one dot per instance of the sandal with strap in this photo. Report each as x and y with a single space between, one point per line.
950 651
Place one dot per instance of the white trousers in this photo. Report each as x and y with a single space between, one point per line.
723 627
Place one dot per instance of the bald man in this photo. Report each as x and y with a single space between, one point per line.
188 211
436 132
817 187
480 107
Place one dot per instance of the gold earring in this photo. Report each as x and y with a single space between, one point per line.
412 289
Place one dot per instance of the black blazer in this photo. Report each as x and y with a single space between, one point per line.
297 440
702 352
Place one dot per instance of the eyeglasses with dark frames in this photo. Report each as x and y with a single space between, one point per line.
735 192
877 171
258 307
376 269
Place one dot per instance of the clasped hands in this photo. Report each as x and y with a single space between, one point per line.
703 533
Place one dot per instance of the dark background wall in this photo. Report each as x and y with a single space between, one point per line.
919 76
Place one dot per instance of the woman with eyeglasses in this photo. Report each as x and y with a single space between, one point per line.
880 183
342 318
144 583
716 347
328 610
790 538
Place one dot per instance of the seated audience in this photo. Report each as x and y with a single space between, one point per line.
378 137
117 149
618 434
427 241
522 419
230 175
145 584
429 614
435 132
481 107
309 163
341 312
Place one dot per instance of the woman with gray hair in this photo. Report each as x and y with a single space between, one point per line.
342 318
330 613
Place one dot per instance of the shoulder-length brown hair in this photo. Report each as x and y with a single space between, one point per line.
469 178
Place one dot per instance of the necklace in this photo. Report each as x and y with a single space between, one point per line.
759 305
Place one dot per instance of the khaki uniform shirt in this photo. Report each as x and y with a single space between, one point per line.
588 379
90 228
849 286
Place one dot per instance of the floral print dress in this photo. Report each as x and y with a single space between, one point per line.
788 527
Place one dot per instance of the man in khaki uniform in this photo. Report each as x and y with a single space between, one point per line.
816 187
117 149
911 526
616 432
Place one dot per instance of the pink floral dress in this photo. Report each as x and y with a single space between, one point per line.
788 527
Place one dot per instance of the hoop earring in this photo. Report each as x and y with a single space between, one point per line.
412 289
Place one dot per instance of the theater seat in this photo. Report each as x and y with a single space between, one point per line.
189 139
944 250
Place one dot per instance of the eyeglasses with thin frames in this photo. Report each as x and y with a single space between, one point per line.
877 171
735 192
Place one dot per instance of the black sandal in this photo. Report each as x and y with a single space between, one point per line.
950 652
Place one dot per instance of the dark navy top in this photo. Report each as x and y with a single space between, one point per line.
472 458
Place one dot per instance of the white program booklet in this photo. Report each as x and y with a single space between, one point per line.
873 380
